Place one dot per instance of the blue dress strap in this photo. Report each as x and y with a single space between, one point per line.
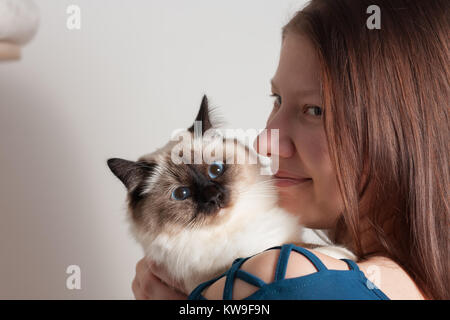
197 292
317 263
351 264
285 251
250 278
282 262
231 274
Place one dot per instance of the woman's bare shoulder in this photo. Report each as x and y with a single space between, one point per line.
384 273
263 266
390 278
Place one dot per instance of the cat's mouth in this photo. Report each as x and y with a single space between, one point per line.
212 208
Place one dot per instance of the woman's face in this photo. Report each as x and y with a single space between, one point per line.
306 181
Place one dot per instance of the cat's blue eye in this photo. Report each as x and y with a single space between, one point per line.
181 193
215 170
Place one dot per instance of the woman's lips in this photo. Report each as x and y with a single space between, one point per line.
282 180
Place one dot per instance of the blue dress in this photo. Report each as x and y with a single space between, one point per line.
325 284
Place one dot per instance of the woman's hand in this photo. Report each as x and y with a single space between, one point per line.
152 283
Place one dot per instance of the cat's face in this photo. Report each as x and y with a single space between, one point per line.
165 196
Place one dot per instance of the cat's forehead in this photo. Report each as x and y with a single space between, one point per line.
200 151
179 161
200 154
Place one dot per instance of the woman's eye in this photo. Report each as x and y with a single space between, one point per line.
314 111
215 170
181 193
277 99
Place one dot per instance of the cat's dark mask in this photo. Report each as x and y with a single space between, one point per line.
160 191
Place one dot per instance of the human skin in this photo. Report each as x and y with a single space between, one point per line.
303 151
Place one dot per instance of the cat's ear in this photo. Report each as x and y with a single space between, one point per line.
129 172
203 116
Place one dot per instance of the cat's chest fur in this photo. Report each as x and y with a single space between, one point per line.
198 255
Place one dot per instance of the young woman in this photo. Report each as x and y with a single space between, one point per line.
363 116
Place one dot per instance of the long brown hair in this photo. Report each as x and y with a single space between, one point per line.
385 94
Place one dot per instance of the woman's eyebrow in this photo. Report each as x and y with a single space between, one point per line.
303 92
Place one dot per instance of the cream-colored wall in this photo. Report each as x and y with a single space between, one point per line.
135 71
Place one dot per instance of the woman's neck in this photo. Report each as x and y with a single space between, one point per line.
369 241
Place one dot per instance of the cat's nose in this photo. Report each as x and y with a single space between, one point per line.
213 196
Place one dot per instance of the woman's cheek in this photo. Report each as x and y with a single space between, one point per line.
328 196
325 203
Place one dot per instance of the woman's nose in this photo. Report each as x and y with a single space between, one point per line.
274 141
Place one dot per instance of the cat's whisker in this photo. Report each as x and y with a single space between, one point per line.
258 196
258 191
267 183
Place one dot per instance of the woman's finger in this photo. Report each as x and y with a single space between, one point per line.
146 285
142 270
157 289
161 273
137 291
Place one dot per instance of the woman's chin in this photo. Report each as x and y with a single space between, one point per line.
289 203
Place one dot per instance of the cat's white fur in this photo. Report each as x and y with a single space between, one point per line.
254 224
